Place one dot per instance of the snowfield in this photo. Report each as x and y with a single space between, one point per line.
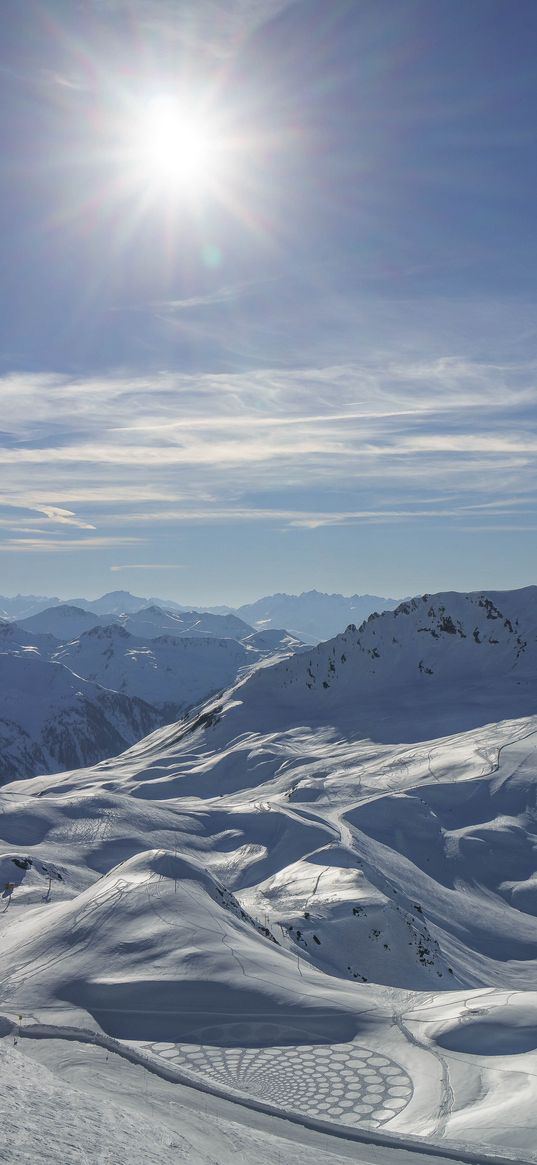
299 926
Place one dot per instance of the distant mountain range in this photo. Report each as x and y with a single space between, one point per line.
312 616
62 669
83 680
123 603
159 663
66 620
21 606
113 603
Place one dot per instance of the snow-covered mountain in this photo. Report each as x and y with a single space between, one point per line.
13 637
51 719
312 615
153 621
433 644
444 660
169 672
112 603
315 899
68 622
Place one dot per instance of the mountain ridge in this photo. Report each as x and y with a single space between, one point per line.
312 615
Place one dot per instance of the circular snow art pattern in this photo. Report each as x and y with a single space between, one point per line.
336 1082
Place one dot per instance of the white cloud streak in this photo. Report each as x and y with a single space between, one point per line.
63 517
47 545
148 566
196 447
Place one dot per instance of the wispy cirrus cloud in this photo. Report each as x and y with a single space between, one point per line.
47 545
26 516
155 566
168 308
375 441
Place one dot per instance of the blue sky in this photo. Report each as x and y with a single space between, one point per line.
313 367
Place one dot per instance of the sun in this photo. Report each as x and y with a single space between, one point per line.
175 145
178 155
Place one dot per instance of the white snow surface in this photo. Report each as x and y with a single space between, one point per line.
300 926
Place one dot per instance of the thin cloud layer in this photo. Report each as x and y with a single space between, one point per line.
374 442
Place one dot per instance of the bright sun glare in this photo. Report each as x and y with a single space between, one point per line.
176 147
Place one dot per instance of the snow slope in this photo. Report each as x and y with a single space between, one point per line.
303 902
152 951
115 1112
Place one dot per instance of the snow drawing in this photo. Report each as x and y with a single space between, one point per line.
346 1084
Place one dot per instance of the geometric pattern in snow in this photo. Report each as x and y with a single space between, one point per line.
344 1083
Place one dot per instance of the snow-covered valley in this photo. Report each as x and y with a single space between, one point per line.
300 924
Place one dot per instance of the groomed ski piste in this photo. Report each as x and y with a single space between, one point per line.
300 926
